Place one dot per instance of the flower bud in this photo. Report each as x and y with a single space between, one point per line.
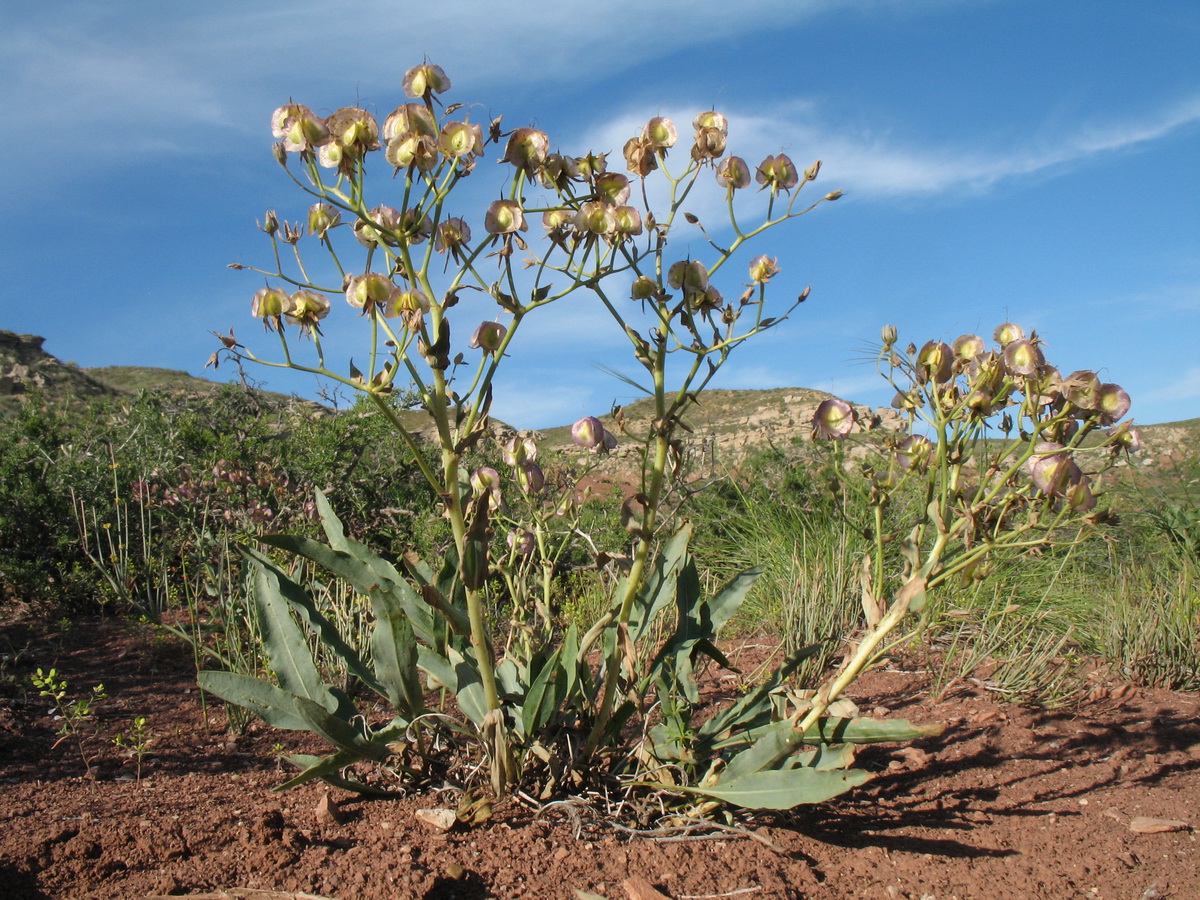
270 223
888 336
488 337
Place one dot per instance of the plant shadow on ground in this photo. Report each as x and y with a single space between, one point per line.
1116 745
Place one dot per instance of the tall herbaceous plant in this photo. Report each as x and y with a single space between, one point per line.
471 677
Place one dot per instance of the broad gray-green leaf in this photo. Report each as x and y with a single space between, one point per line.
543 697
870 731
270 703
285 642
784 788
338 732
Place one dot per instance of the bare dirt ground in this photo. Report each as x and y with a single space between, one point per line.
1009 803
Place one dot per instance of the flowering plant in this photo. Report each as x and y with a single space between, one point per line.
540 705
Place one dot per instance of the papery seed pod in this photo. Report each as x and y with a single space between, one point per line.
833 419
412 151
705 301
517 451
379 227
488 337
935 362
557 219
307 308
611 188
588 433
688 275
777 173
530 477
1007 333
733 172
354 129
969 347
299 129
644 288
711 119
322 217
415 226
558 171
504 217
527 149
763 269
269 304
367 291
914 452
406 304
1112 402
629 221
1023 357
1082 389
1126 438
591 165
425 80
660 132
709 143
459 139
595 217
411 118
640 157
1052 469
452 234
522 541
486 480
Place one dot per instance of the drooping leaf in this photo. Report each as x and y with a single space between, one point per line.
329 769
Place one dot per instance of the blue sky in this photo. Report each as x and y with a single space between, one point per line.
1001 160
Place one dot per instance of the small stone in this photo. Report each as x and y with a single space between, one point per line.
638 888
454 871
1149 825
327 811
441 819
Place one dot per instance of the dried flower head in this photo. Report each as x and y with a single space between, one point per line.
306 309
1023 357
660 133
935 362
453 234
1112 402
368 291
322 217
382 225
641 157
269 304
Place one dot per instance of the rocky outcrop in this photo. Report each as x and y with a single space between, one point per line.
25 368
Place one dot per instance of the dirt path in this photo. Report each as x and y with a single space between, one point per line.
1010 803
